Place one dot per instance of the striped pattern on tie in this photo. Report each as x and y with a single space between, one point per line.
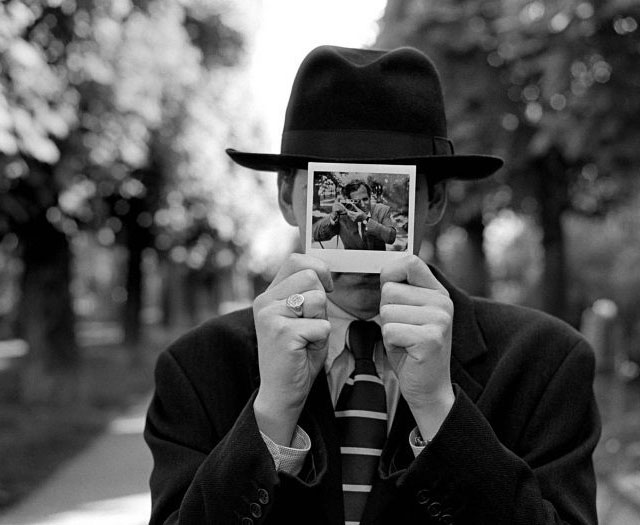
362 421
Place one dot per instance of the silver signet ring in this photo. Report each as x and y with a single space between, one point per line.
294 302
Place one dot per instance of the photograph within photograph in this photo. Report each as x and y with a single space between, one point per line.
359 215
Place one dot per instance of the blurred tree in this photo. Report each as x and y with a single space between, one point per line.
38 111
107 109
552 86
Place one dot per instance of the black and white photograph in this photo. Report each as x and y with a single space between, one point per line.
359 208
319 262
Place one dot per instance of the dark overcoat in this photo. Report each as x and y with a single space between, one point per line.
516 447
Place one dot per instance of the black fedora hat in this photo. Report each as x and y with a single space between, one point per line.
368 106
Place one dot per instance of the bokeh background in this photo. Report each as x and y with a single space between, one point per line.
123 223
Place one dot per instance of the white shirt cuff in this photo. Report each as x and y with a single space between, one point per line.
289 459
412 439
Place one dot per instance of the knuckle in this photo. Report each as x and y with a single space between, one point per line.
316 296
309 276
442 318
259 301
435 335
278 325
421 357
387 290
448 305
260 314
325 327
385 312
414 262
296 258
315 300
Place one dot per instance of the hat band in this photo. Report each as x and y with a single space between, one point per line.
366 144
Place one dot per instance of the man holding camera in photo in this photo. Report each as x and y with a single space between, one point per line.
345 398
360 224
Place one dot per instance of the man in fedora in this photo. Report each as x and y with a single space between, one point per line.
360 224
362 398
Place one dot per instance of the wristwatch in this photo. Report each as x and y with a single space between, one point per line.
365 221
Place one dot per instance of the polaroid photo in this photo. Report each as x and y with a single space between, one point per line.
359 216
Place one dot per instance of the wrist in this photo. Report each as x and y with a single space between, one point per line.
276 422
431 413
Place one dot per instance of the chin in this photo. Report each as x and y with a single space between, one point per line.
357 293
370 281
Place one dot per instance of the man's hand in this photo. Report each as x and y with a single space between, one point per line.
291 349
355 214
416 315
337 209
357 217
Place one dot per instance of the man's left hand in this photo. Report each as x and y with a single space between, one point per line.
355 213
416 315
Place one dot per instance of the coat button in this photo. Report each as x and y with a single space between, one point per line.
256 510
423 497
263 496
247 521
434 509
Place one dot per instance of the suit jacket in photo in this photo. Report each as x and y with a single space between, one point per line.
380 230
516 448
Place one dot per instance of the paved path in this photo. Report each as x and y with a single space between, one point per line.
104 484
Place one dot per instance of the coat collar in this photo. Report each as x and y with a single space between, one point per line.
468 341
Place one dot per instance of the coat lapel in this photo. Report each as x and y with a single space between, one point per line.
319 415
467 343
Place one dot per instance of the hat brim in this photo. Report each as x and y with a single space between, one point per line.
437 167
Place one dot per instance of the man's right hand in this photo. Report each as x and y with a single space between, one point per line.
291 349
337 209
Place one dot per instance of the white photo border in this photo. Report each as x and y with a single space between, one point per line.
359 261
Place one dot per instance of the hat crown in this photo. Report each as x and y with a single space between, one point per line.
368 106
339 88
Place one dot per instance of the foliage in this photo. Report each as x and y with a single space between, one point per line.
127 103
113 118
101 90
552 87
525 77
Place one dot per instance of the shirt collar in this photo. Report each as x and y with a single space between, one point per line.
340 321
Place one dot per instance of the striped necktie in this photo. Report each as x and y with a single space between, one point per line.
361 412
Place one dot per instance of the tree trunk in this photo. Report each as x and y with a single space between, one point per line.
174 300
47 319
552 197
133 305
137 238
